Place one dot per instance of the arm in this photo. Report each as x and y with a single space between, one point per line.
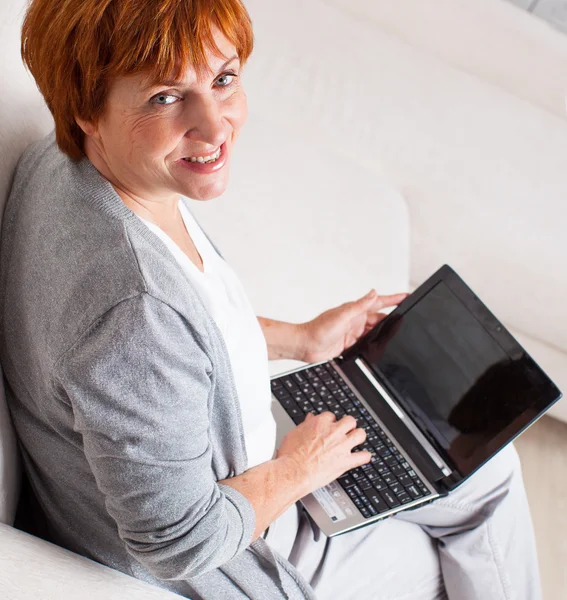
328 334
138 383
310 456
284 340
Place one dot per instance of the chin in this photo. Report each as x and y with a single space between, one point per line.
207 192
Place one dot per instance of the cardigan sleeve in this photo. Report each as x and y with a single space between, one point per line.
138 383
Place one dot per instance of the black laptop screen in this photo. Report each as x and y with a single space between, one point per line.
451 375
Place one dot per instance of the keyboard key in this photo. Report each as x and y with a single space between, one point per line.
281 393
299 378
404 498
298 396
288 403
379 484
289 383
372 475
405 480
296 414
390 460
413 491
346 481
390 498
377 501
397 488
398 471
352 492
307 407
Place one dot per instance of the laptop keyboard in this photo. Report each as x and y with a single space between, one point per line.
388 480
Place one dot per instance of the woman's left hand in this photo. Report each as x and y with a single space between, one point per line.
335 330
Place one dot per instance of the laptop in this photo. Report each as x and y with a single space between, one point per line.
439 385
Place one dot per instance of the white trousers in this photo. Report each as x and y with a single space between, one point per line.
475 544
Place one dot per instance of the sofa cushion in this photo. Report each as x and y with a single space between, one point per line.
492 39
482 170
23 119
9 463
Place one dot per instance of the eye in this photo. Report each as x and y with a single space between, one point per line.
227 76
164 99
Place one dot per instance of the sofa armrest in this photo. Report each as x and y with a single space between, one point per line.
32 568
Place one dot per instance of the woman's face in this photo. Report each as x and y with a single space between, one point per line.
147 134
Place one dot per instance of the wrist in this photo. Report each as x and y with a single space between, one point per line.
292 475
301 342
284 340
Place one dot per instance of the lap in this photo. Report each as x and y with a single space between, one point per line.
391 560
397 558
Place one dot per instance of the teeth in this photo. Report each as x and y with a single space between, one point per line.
205 159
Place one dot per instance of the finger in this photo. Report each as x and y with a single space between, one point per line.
374 318
387 301
346 424
372 301
328 415
356 436
358 459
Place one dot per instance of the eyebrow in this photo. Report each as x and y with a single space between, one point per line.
172 82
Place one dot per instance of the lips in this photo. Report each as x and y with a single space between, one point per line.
204 158
207 163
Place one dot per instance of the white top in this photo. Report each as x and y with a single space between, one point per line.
227 303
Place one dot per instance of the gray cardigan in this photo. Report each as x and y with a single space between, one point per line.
121 392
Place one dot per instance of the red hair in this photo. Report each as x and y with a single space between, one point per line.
73 48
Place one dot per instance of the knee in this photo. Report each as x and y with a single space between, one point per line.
491 484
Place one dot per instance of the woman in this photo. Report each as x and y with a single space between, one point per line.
137 373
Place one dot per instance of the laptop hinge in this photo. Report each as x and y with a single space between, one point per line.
404 417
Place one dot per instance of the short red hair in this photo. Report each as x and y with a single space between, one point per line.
73 49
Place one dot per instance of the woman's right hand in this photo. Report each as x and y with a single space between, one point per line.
321 448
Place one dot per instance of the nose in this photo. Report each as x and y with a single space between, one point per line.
205 121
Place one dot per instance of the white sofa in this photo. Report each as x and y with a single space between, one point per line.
368 120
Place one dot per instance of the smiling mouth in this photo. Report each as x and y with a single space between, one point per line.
211 158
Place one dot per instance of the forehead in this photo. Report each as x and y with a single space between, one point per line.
215 59
138 83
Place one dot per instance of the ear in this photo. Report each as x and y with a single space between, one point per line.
89 128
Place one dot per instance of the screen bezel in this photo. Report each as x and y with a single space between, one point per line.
543 385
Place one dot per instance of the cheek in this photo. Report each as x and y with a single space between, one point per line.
238 111
149 136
